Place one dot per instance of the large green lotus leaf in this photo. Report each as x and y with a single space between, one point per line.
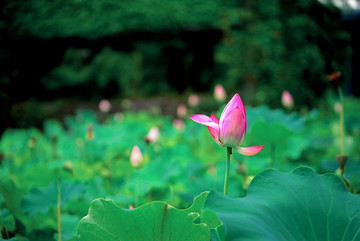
7 219
154 175
269 132
30 177
12 195
292 121
300 205
41 199
68 226
155 221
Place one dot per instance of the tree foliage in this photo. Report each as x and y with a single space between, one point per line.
265 48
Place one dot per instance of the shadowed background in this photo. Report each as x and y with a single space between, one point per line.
89 50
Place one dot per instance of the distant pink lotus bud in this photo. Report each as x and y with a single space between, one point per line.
193 100
219 93
181 110
131 207
153 135
136 157
118 116
287 99
179 124
231 128
104 105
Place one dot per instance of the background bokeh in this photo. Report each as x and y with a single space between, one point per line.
89 50
95 99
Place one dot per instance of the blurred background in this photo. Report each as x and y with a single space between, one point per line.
57 56
74 75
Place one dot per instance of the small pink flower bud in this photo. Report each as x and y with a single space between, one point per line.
287 100
179 124
131 207
193 100
219 93
136 157
118 116
181 110
104 105
153 135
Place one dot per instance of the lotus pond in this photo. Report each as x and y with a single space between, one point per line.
78 180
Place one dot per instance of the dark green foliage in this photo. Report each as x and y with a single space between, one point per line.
94 19
282 45
147 47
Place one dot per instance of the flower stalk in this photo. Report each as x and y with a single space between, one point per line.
341 122
227 170
59 210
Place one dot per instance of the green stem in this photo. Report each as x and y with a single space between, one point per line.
59 210
341 122
227 170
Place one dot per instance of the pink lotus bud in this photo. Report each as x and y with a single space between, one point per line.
153 135
219 93
104 105
179 124
287 99
181 110
193 100
136 157
131 207
231 128
118 116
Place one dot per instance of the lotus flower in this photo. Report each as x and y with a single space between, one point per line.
153 135
181 110
193 100
287 99
231 128
179 124
219 93
136 157
104 105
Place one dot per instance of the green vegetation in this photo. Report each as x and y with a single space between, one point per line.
86 160
162 46
102 176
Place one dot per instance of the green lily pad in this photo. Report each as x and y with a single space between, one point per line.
269 133
292 121
7 219
41 199
300 205
155 221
